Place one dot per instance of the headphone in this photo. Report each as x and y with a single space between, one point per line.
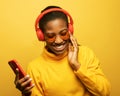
39 32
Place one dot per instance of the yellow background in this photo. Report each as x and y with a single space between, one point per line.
96 24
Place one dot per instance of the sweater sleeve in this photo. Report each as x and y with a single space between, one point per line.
91 75
37 90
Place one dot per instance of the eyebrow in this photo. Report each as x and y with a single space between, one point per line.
59 31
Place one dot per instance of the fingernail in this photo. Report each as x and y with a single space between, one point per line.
27 76
30 79
33 84
17 69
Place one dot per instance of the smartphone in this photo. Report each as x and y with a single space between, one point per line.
14 64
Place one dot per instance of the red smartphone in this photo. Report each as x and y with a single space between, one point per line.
14 64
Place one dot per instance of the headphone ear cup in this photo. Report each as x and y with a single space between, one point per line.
70 27
40 35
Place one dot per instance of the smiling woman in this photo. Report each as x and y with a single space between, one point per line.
96 24
59 70
54 28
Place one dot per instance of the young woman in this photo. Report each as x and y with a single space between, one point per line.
64 68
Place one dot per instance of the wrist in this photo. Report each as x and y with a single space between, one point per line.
76 66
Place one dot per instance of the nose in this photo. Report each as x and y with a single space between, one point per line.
58 39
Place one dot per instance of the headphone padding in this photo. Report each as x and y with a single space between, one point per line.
40 35
70 27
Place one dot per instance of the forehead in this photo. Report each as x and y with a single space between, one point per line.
55 25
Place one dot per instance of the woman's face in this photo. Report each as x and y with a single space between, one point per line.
57 36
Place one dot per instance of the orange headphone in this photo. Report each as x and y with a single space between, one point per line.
39 32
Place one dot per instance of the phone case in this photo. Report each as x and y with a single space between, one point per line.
14 64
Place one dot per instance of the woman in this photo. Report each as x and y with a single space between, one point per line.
64 68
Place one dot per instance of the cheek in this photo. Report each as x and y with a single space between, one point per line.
50 40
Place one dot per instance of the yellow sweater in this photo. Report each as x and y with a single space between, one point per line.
53 76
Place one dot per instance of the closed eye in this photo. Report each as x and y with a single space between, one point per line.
50 35
63 32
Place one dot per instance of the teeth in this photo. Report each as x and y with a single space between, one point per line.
59 46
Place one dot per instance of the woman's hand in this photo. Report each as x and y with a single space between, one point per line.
23 84
73 53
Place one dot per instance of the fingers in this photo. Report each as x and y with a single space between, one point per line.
71 48
74 42
27 89
24 84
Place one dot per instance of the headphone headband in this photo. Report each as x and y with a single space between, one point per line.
51 10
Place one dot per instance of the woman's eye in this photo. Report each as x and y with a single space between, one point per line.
50 35
63 33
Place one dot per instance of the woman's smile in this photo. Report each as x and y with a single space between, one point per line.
59 47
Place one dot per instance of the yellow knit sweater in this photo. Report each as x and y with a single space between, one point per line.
53 76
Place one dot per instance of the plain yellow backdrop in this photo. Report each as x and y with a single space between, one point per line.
96 25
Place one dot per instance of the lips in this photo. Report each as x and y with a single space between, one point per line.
59 47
